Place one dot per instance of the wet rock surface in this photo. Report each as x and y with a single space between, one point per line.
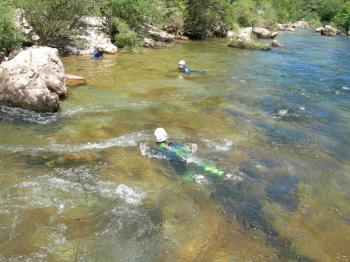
34 79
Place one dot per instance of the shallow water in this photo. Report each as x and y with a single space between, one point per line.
80 185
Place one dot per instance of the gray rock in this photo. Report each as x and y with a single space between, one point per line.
285 27
154 37
92 34
302 24
230 34
34 79
157 34
264 33
329 31
319 29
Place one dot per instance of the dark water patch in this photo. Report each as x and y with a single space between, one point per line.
244 204
20 116
282 189
283 135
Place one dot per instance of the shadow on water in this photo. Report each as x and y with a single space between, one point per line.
246 207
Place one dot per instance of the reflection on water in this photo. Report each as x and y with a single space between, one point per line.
78 185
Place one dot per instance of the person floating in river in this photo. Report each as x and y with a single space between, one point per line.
179 156
183 68
97 53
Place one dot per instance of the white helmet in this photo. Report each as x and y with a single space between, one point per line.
160 135
182 62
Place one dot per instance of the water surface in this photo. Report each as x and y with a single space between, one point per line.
79 185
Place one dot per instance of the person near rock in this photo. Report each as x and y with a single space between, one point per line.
183 68
180 157
98 53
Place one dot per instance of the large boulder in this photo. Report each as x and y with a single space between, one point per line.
329 31
264 33
245 34
34 79
22 23
92 34
302 24
349 33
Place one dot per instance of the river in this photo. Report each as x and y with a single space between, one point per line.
80 185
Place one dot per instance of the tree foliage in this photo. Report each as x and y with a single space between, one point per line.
54 20
10 36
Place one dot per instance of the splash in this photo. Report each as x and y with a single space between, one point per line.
132 196
128 140
222 145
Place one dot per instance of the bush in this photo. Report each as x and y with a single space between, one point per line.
54 20
251 45
245 12
125 36
342 19
10 36
207 17
134 12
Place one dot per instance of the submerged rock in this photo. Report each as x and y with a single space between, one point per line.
264 33
33 80
329 31
92 35
72 80
276 43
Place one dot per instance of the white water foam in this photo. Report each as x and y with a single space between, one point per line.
132 196
222 145
128 140
26 116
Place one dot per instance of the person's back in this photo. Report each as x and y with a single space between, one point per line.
181 157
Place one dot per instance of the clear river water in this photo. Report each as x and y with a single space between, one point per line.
81 185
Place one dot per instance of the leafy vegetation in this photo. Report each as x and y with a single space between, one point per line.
10 36
54 20
252 45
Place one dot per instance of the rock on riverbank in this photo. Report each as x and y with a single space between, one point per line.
264 33
243 39
329 31
34 79
91 34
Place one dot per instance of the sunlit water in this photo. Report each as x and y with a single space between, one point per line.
80 185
